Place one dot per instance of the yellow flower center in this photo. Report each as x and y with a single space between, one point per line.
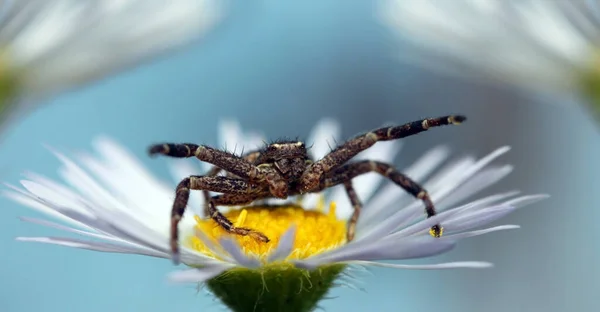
316 231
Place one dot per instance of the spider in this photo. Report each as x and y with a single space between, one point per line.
283 169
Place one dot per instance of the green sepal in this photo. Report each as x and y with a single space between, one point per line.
276 287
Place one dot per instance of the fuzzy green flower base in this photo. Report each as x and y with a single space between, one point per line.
274 288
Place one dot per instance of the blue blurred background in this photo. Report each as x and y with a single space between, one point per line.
280 67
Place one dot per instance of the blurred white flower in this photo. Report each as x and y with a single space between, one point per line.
549 45
50 45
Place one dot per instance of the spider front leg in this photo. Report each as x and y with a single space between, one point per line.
343 153
348 172
235 189
250 157
224 160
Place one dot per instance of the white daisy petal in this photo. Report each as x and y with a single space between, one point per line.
198 275
51 194
471 219
91 245
214 248
478 182
526 200
408 248
126 171
285 246
481 232
417 227
390 224
27 200
439 266
234 139
253 141
83 221
466 174
60 190
234 250
82 182
86 221
142 199
195 258
323 138
477 218
126 227
309 201
72 230
486 201
230 135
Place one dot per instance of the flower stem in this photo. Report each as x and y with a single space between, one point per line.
279 287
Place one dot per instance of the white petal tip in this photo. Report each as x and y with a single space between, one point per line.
502 150
31 239
196 275
527 200
477 265
438 266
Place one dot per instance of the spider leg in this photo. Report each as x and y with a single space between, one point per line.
357 205
219 184
234 199
224 160
343 153
250 157
346 173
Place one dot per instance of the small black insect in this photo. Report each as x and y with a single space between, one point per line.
284 169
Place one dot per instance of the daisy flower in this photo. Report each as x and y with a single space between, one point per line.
120 207
540 45
50 45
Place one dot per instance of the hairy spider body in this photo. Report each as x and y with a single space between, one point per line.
284 169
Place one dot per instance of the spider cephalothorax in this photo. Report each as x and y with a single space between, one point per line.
288 158
283 168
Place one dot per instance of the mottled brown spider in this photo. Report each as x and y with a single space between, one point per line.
283 169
